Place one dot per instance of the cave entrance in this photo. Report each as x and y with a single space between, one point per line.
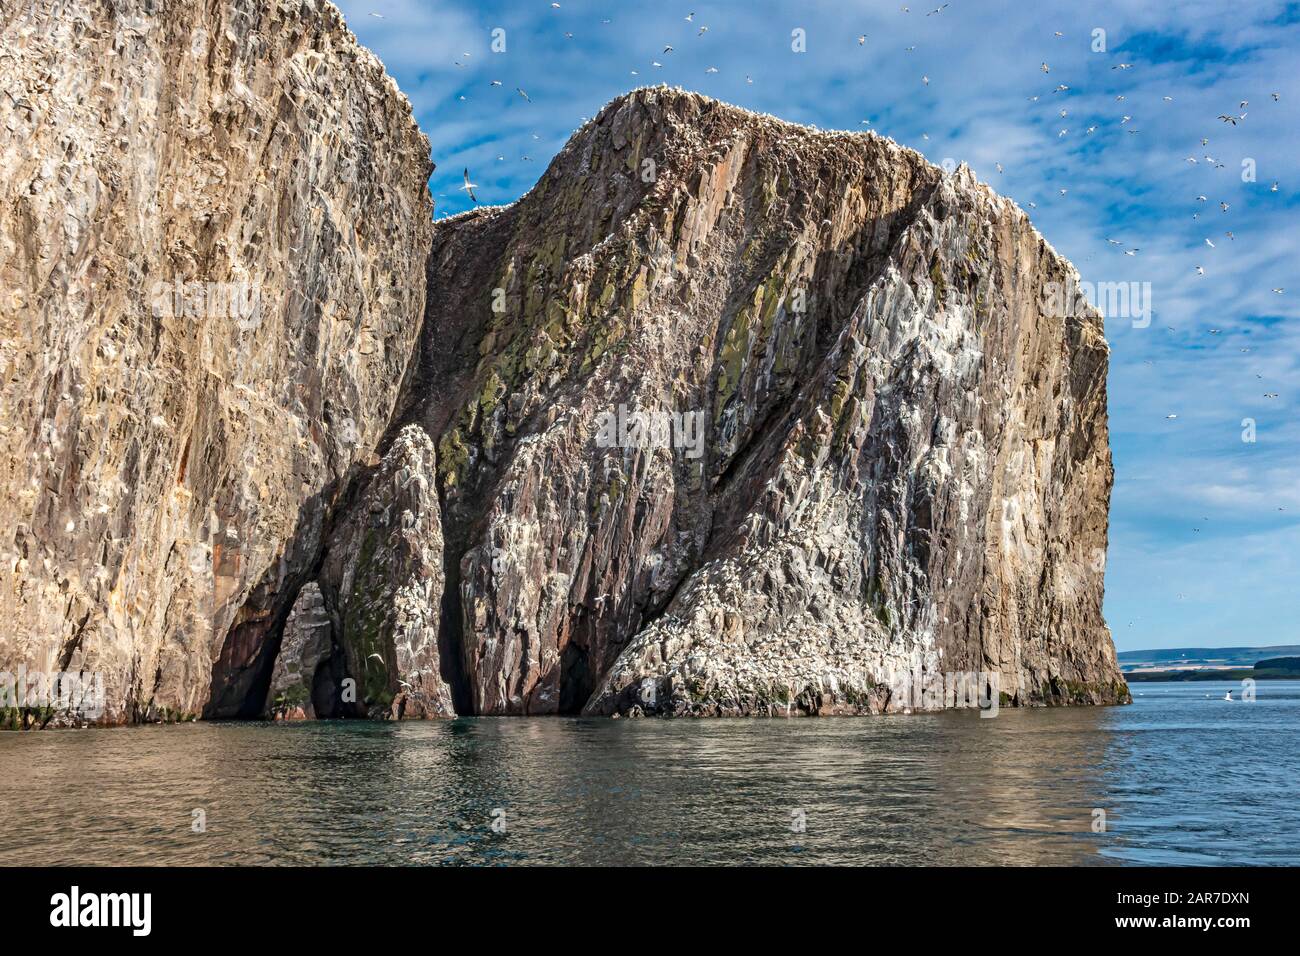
576 682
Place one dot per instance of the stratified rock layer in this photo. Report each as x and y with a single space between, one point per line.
163 469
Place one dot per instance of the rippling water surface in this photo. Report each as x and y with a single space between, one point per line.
1183 776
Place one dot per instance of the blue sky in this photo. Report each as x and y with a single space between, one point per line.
1205 528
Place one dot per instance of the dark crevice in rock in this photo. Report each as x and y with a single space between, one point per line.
576 680
241 675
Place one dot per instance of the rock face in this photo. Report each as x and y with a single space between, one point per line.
903 464
214 224
726 416
383 578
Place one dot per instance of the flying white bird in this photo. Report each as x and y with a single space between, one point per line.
469 187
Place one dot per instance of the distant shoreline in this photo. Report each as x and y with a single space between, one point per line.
1229 674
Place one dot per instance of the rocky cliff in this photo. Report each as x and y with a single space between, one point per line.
726 416
214 223
903 464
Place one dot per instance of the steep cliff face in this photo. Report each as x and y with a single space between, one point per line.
726 416
904 464
876 454
214 224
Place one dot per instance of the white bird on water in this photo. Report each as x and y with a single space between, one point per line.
1228 696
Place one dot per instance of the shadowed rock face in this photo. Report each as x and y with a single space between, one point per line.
410 488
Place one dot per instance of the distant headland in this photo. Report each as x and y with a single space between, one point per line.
1277 662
